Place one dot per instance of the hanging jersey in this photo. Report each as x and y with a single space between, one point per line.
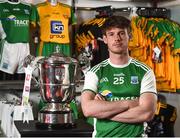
162 125
14 20
54 22
177 71
125 82
47 48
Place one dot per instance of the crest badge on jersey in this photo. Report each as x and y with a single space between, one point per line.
57 27
66 16
134 80
5 65
26 11
106 93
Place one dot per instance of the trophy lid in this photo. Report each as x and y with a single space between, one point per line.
58 58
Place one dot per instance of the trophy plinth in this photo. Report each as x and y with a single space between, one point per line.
54 115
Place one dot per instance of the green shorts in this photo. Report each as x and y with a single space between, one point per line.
47 48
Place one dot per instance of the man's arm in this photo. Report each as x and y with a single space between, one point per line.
141 113
99 108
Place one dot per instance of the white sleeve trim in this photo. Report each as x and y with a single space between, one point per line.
148 83
2 33
91 81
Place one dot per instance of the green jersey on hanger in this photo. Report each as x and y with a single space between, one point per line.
14 21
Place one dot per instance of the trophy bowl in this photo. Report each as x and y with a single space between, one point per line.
57 75
57 79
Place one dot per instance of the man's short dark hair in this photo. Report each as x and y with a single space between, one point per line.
116 21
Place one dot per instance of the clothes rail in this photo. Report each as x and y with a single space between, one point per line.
141 11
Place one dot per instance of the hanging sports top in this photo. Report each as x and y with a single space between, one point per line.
54 22
14 21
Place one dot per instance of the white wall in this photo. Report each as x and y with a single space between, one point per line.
115 4
94 3
83 15
174 7
175 13
170 3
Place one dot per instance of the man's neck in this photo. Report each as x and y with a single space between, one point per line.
119 59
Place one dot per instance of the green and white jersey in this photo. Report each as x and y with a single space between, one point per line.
123 82
14 21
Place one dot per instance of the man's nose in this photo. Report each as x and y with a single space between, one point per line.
118 37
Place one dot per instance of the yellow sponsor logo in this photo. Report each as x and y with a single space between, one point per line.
106 93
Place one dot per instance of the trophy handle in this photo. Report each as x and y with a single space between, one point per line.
37 84
32 61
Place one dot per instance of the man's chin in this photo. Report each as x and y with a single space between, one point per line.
119 52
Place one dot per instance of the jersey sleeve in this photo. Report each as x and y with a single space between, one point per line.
34 15
73 19
148 83
90 82
2 33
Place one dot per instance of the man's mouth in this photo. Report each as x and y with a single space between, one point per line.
117 44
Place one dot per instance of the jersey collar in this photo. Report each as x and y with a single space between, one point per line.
120 66
10 2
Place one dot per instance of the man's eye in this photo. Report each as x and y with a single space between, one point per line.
110 34
122 33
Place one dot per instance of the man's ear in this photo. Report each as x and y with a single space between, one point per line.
130 35
105 39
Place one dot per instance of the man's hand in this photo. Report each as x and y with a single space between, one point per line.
99 97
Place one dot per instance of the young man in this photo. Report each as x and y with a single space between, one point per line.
120 92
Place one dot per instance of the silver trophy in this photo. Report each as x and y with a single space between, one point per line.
56 78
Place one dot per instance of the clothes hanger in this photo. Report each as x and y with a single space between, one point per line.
53 2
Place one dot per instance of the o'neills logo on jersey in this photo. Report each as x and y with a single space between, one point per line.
5 10
21 23
16 9
105 79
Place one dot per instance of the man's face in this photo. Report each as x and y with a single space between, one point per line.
117 40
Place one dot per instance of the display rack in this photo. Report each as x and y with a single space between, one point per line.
16 85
